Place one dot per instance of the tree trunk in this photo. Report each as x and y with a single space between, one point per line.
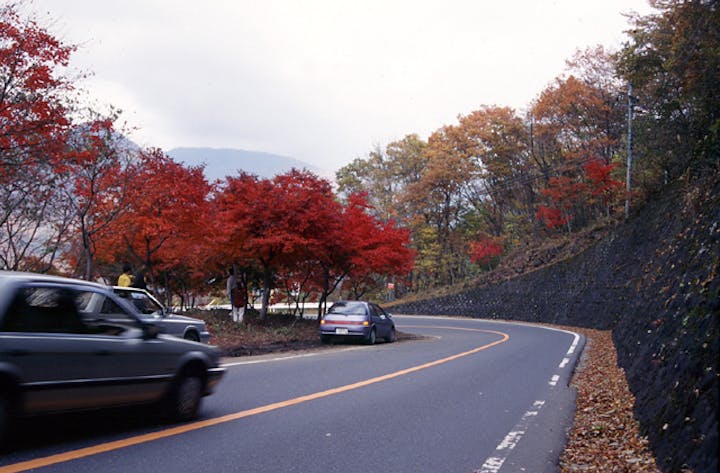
267 287
167 295
88 256
324 295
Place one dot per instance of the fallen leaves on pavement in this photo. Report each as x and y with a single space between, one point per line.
605 436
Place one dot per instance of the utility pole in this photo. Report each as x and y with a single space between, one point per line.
628 176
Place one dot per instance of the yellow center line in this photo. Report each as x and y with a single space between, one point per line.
138 439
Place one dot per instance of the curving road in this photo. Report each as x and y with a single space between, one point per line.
472 396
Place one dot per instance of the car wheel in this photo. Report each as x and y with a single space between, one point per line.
325 339
185 397
392 337
371 338
192 336
7 417
4 416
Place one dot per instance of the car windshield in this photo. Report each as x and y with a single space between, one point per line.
142 302
347 308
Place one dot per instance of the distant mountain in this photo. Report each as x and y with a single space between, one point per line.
228 162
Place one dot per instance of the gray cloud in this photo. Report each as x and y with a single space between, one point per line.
321 80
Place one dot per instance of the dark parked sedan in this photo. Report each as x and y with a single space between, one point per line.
151 310
355 319
70 345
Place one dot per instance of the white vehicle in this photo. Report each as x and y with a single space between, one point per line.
152 311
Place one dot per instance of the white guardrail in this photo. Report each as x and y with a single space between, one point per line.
310 309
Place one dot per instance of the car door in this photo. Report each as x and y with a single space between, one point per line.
69 356
388 321
141 367
381 321
44 339
152 311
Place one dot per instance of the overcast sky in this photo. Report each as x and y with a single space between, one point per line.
323 81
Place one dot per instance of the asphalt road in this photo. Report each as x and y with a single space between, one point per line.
472 397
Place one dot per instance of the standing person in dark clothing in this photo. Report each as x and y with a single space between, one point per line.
139 280
237 296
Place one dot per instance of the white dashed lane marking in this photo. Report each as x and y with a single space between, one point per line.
495 462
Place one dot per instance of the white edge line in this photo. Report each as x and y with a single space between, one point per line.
571 350
495 462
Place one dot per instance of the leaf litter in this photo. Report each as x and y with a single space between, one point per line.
605 436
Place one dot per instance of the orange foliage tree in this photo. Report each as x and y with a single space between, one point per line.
578 130
498 141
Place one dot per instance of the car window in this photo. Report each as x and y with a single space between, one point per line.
113 310
380 310
348 308
110 307
43 309
102 313
144 304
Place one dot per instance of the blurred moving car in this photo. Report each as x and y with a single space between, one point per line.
151 310
70 345
356 319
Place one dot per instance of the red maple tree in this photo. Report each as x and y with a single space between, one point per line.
273 223
380 249
33 123
94 179
601 184
485 249
165 216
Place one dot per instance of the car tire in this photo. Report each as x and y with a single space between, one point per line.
392 337
8 413
325 339
372 337
4 416
184 400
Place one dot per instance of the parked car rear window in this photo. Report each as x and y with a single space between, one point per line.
348 308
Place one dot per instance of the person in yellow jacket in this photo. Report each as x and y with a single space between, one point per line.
125 279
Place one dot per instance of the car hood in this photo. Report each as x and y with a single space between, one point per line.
183 318
174 318
180 345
